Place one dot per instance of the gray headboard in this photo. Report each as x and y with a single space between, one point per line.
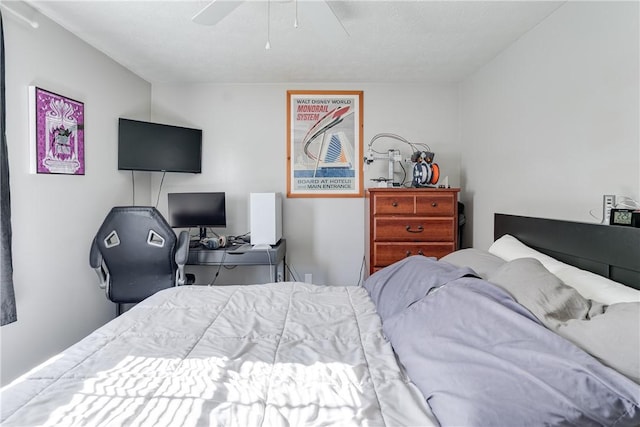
608 250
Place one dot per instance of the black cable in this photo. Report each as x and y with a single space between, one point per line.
240 239
398 138
160 189
209 229
298 278
219 267
364 261
404 171
364 256
295 279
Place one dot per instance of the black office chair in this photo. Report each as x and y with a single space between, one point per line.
136 254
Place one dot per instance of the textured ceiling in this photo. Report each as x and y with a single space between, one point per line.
387 41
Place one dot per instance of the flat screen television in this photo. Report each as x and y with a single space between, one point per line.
146 146
201 210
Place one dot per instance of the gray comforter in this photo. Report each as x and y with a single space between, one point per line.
480 358
279 354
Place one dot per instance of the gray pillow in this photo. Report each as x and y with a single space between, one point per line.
482 262
546 296
609 333
612 337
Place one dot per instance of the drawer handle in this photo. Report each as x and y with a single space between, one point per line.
408 253
394 204
420 229
434 204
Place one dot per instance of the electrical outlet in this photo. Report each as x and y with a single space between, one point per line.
608 203
308 278
280 278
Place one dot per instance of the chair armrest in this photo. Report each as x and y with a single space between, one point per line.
96 262
95 257
182 248
182 255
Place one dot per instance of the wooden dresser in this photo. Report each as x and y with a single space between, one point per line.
411 221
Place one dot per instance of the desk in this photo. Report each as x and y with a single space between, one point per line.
275 256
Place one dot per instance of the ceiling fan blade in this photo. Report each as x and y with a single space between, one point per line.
319 15
216 11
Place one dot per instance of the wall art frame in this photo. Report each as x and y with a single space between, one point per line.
57 143
324 143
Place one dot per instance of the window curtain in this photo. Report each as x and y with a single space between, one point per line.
7 296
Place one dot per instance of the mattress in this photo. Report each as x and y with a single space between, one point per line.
274 354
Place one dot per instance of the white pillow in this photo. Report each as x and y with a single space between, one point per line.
589 285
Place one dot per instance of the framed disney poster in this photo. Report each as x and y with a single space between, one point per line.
324 144
56 134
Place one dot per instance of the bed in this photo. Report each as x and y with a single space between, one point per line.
422 343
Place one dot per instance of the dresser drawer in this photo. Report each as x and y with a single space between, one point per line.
390 204
435 205
413 229
387 253
410 221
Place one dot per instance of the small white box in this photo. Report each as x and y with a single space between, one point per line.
265 215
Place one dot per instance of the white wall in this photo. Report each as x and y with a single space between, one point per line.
552 123
55 217
244 151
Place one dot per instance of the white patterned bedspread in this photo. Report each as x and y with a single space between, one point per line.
280 354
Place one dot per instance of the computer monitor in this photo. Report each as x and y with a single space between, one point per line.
200 210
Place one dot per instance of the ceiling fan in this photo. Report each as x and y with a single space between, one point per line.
318 11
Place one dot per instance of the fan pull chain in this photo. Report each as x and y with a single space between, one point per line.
295 20
268 45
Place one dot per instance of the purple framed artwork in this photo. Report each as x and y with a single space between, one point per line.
57 133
